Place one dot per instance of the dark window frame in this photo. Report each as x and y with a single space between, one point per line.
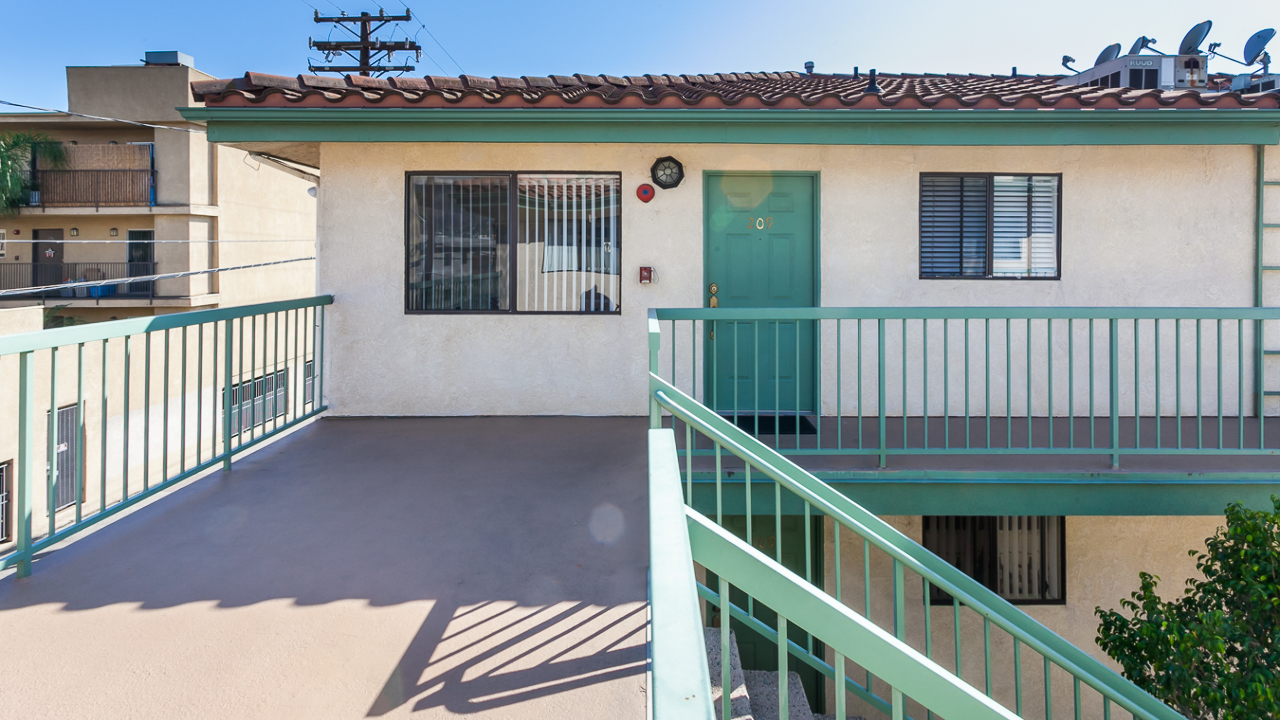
990 178
941 597
511 225
511 229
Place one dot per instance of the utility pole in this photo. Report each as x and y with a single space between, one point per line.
366 50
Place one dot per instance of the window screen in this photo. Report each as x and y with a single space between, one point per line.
255 401
4 502
514 242
989 226
1020 557
953 226
458 243
309 381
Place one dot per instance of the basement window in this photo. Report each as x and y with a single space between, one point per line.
514 242
1022 558
256 401
988 226
4 501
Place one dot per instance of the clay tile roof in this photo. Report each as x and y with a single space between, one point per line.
479 83
318 81
445 83
787 89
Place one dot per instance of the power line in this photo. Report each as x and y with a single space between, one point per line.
199 131
144 278
437 42
159 242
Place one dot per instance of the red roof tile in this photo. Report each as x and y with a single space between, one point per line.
731 90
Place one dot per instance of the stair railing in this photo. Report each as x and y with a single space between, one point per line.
749 459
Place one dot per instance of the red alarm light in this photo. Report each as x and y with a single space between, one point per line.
645 192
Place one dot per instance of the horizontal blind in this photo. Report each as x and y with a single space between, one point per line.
568 249
953 226
458 242
1024 226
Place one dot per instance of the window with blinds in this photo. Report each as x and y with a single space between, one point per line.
1020 557
514 242
989 226
567 256
457 252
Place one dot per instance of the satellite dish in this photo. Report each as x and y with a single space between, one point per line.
1195 36
1256 43
1141 44
1109 53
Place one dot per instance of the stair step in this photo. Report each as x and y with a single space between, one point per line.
762 689
740 704
833 717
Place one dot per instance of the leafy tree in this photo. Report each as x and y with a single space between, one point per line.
16 150
1214 653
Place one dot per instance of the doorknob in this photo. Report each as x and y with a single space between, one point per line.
714 302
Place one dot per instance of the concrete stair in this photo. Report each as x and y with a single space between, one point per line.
753 694
740 706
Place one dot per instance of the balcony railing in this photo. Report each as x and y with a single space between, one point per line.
98 175
16 276
97 188
109 414
891 665
885 382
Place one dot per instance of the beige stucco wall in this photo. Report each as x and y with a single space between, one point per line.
146 93
1132 234
261 202
1103 558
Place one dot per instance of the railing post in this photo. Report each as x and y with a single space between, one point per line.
226 396
884 456
1114 372
655 344
26 459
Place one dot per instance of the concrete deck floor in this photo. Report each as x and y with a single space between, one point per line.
490 567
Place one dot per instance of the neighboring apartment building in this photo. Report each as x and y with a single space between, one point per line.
899 247
140 189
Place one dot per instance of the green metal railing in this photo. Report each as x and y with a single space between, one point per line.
133 406
886 676
979 381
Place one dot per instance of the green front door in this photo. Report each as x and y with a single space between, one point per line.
761 237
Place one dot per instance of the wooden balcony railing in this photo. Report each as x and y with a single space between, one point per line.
97 188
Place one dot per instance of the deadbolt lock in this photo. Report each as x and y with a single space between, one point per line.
714 288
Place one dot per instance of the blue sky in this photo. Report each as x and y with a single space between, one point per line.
662 36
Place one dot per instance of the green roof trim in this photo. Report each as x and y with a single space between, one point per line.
765 127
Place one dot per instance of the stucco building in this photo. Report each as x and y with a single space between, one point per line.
932 366
151 196
983 282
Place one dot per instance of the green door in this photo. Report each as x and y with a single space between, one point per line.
760 243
